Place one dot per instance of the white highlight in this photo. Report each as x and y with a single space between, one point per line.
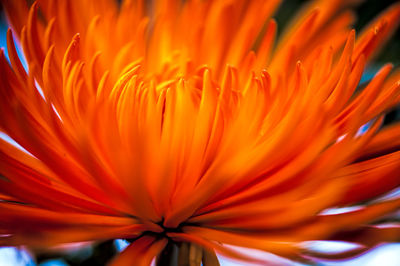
55 110
15 257
329 247
383 255
333 211
39 89
8 139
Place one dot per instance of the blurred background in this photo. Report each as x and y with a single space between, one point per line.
98 253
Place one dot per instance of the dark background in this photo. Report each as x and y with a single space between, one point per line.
366 11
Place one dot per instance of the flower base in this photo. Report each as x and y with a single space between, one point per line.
186 254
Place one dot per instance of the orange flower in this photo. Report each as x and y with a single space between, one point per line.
181 122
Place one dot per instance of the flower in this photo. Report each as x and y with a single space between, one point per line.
180 122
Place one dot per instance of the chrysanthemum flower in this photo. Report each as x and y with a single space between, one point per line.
185 123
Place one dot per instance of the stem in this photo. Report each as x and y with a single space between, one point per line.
169 255
186 254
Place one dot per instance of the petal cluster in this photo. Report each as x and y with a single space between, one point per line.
188 121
